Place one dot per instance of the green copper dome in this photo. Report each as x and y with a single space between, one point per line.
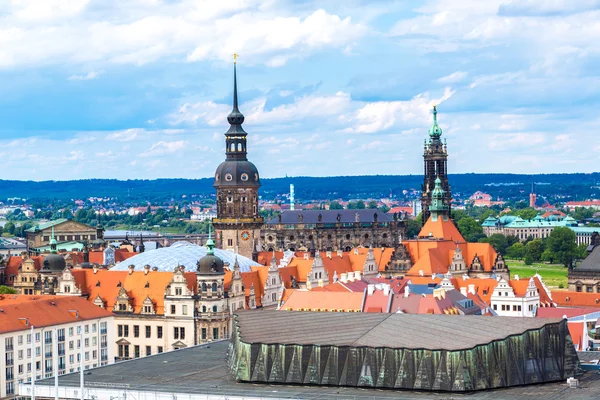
435 131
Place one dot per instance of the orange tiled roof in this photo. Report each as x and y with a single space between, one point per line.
105 283
576 331
44 311
564 298
519 286
434 256
441 229
300 300
15 262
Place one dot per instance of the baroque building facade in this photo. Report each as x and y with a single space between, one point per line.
238 222
337 230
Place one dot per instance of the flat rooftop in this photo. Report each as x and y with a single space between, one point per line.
202 370
408 331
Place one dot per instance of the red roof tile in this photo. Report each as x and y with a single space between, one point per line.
44 311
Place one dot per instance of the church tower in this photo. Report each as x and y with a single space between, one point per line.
436 166
238 222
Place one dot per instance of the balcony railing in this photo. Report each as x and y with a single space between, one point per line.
48 340
9 347
103 331
9 362
48 354
213 315
61 338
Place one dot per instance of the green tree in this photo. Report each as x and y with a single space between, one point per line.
470 229
9 228
498 241
581 251
384 209
334 205
534 250
527 213
516 251
413 226
563 245
372 204
7 290
360 205
581 213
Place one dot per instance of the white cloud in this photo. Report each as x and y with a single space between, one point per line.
127 135
514 141
454 77
161 148
134 32
89 76
75 155
382 115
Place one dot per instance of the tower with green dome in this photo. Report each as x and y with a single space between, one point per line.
435 168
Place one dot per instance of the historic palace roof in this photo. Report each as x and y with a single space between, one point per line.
290 217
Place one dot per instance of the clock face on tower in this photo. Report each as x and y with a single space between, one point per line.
245 235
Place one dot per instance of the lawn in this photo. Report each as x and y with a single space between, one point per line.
553 275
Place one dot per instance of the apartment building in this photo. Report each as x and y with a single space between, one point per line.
35 330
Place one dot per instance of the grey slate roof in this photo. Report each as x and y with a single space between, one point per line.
591 262
330 216
406 331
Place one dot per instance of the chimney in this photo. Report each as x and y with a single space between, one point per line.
406 291
356 251
463 291
344 277
306 256
465 277
350 277
146 269
370 289
472 288
155 269
96 269
516 277
433 277
328 254
131 269
386 290
421 272
357 275
340 254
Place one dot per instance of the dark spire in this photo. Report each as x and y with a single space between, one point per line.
235 137
142 247
235 117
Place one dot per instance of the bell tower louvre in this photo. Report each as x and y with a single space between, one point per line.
238 222
436 166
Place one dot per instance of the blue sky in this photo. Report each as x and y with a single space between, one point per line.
141 88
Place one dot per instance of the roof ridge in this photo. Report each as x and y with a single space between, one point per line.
367 332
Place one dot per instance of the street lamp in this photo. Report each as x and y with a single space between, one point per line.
32 357
81 383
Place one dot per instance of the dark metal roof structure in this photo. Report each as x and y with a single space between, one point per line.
400 351
408 331
331 216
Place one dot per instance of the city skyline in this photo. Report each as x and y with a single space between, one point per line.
141 89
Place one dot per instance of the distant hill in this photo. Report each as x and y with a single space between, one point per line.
557 187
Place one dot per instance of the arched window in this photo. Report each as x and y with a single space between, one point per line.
204 287
203 308
214 308
214 287
239 147
232 147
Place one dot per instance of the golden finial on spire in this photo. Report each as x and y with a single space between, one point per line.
235 56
